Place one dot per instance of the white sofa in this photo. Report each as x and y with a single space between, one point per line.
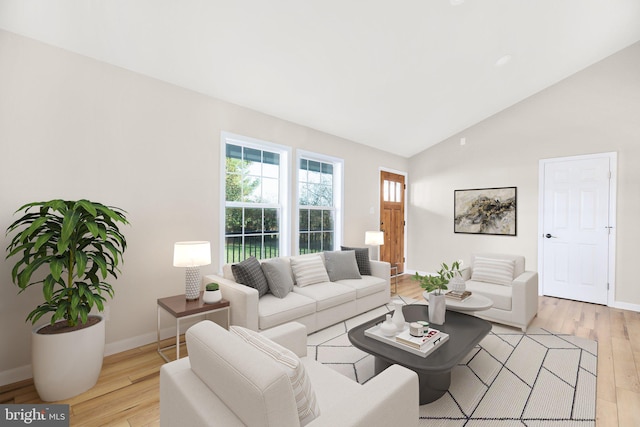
227 382
515 301
316 306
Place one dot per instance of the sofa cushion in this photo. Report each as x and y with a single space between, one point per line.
499 294
327 294
273 311
362 258
278 274
493 270
367 285
306 401
341 265
249 273
308 270
252 381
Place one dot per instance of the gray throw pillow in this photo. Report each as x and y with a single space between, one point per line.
249 273
341 265
362 258
278 274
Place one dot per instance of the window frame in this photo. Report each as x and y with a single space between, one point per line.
338 195
284 202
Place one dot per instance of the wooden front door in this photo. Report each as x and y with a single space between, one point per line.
392 193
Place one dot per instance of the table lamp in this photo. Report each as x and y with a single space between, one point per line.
192 255
374 238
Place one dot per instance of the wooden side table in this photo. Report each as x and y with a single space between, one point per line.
180 308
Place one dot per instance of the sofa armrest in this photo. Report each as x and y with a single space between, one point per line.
391 398
525 296
243 300
381 269
292 335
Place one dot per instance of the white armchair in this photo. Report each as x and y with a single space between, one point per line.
503 279
226 381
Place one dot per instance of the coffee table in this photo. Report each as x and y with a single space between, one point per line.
434 371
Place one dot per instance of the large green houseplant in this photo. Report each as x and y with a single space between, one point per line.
69 248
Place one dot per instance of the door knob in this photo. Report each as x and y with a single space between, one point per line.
549 236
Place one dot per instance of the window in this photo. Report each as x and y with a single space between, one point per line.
255 189
319 203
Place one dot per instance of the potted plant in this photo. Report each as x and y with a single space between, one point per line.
211 293
434 285
68 248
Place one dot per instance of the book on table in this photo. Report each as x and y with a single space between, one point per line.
431 338
425 348
458 296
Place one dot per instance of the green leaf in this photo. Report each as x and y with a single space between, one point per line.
56 265
42 240
99 260
93 228
47 287
81 264
87 206
69 223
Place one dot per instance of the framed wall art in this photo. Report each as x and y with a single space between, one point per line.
485 211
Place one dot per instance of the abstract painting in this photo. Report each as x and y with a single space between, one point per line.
485 211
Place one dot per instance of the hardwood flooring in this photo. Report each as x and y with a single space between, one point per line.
127 393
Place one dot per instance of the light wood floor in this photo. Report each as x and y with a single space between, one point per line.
127 393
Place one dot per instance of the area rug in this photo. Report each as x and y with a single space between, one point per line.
539 378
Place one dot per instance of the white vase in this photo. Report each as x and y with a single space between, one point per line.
388 328
437 308
398 317
67 364
457 284
211 297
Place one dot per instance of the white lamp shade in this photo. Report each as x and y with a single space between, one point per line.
191 254
374 238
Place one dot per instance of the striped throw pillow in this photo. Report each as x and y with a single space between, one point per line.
491 270
309 270
306 401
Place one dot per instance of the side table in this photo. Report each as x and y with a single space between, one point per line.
180 308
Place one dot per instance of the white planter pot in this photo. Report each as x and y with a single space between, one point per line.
67 364
457 284
437 308
212 297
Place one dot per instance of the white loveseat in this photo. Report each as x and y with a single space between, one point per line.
227 382
316 306
504 280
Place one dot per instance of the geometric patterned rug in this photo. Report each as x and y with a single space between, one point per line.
509 379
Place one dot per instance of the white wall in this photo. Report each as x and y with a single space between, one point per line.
594 111
72 127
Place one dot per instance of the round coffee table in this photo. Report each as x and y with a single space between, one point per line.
475 302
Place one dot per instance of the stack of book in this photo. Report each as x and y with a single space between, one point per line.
432 338
458 296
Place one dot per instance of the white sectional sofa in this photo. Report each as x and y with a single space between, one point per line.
227 381
316 305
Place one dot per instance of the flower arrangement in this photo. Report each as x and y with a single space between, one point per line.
439 282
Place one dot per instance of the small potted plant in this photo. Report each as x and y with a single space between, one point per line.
211 293
434 285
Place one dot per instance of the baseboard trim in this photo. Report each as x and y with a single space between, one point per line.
626 306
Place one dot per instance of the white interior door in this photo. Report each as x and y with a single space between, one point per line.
576 227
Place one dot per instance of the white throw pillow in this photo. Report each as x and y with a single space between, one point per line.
493 270
309 270
306 401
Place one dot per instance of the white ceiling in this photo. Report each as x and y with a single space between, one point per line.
396 75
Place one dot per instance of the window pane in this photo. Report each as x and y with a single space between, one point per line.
326 196
315 220
327 220
315 242
271 221
327 241
270 171
253 247
232 249
233 221
270 190
303 194
398 192
271 158
303 243
327 169
252 221
234 151
304 220
252 190
385 190
271 246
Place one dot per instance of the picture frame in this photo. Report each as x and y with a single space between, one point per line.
486 211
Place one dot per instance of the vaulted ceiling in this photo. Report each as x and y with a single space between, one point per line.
396 75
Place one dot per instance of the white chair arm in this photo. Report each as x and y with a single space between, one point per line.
292 335
243 300
525 296
391 398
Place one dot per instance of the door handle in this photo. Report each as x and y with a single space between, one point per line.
549 236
